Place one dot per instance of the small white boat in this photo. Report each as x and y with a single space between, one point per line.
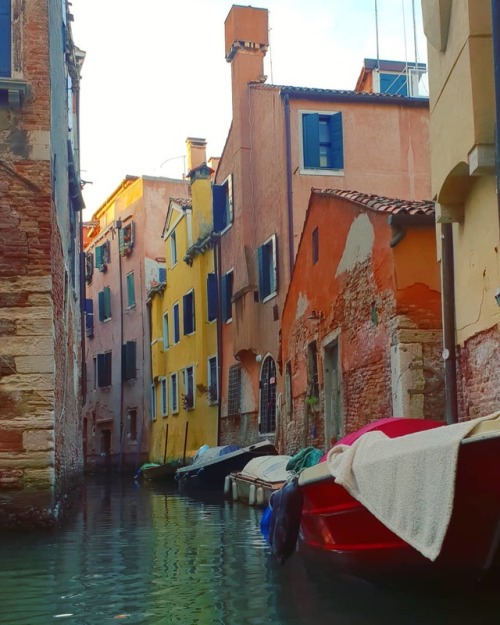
258 479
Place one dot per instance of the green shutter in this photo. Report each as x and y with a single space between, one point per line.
130 290
100 299
310 135
337 141
107 302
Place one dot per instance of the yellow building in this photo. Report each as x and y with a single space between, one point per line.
184 323
464 183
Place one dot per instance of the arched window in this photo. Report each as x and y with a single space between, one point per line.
267 420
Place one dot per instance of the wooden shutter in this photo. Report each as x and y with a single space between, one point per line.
219 196
273 286
100 301
5 39
162 274
107 303
188 311
89 317
129 353
98 256
310 135
130 290
104 369
337 141
212 296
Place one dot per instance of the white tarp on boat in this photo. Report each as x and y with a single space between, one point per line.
408 483
267 468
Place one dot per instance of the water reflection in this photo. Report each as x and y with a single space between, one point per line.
142 554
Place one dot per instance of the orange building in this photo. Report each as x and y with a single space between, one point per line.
282 142
361 326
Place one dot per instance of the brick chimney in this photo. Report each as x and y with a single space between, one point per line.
246 39
196 150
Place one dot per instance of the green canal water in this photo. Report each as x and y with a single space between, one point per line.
135 553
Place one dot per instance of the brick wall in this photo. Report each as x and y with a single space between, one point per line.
478 364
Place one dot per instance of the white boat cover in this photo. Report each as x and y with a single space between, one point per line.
408 483
267 469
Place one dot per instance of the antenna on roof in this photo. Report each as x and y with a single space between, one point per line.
376 34
414 32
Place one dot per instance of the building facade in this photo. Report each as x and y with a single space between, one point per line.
40 287
184 312
124 258
282 142
361 325
462 81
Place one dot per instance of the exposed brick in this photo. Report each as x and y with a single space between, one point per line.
11 440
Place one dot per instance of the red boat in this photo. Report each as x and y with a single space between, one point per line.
341 530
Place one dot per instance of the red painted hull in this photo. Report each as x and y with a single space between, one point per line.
336 527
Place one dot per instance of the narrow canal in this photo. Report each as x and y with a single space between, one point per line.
147 554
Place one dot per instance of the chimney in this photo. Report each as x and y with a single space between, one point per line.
196 152
246 43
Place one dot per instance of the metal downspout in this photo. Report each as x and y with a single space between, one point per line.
217 267
449 330
495 32
289 193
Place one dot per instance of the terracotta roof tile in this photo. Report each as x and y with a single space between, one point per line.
382 204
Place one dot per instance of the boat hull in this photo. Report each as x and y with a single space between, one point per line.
211 475
337 528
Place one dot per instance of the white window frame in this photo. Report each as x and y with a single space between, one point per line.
173 249
272 240
314 172
166 329
152 400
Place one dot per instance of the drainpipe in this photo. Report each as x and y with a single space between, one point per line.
495 28
289 193
217 267
118 226
449 330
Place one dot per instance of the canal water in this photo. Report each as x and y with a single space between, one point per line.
138 553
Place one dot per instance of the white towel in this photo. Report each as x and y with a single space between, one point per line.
408 483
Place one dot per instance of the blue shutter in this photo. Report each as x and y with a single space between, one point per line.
89 316
212 296
337 141
188 311
101 370
310 135
274 266
219 207
162 274
5 38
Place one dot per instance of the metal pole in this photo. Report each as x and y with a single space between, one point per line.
376 34
449 349
495 31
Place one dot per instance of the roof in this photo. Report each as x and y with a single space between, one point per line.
183 202
344 94
381 204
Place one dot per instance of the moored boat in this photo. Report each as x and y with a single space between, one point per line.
258 479
394 502
210 468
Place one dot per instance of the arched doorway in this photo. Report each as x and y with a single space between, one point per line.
267 413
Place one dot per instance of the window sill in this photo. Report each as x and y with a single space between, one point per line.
321 172
269 297
16 91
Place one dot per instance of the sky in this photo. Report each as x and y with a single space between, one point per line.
155 72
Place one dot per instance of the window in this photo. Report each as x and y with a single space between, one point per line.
174 397
126 239
212 296
188 313
234 390
129 368
104 299
94 360
102 256
104 369
130 290
227 296
268 269
89 317
188 397
162 275
267 416
315 246
173 249
132 425
222 202
213 381
312 371
322 141
288 389
177 337
166 343
395 84
89 265
164 397
5 39
153 402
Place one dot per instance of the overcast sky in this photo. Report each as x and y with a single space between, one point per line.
155 72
